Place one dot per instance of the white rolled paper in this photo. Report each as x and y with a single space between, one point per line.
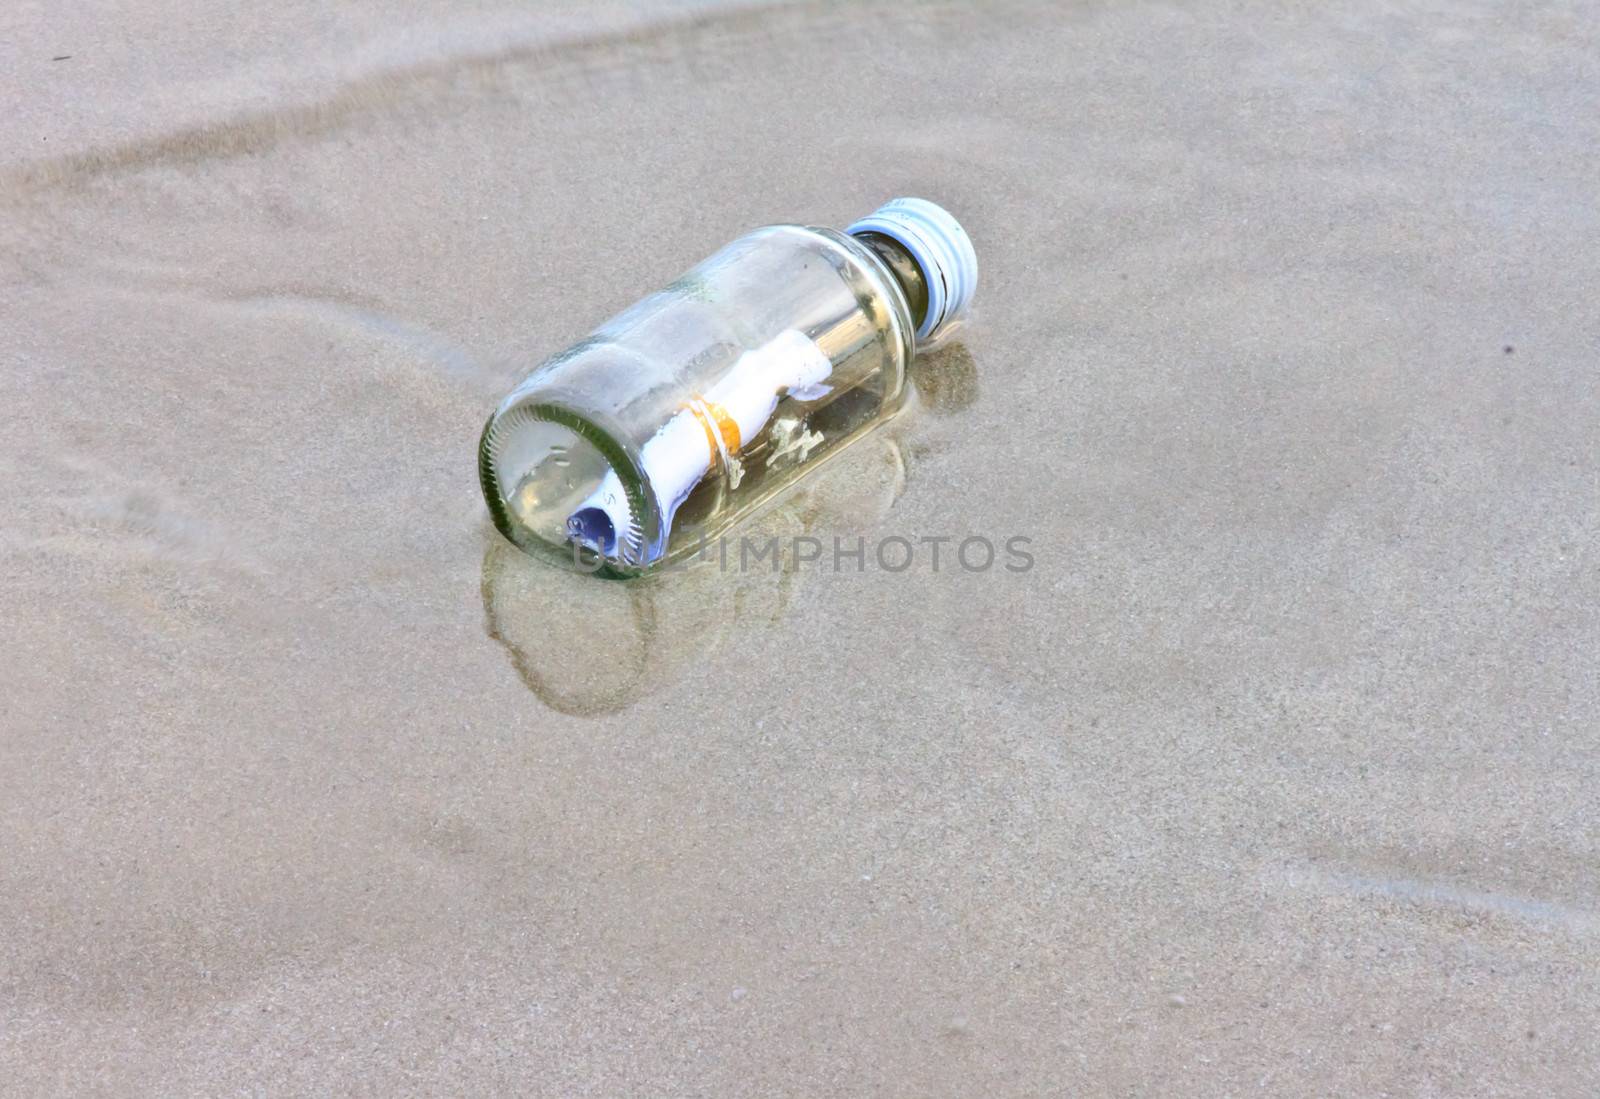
686 447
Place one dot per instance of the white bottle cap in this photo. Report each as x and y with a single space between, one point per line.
940 247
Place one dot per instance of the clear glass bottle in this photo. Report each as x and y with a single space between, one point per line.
674 419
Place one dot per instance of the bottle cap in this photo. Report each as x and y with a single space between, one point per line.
941 249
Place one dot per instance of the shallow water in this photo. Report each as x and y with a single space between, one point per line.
1276 770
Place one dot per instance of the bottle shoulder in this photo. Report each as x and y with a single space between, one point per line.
866 271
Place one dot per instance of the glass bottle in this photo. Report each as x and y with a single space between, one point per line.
682 414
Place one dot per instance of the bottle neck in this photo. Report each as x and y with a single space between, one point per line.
904 269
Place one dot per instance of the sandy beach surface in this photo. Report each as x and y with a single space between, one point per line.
1276 774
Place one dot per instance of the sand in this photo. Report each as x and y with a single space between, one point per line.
1275 774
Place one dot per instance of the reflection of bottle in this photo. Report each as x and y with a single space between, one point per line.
588 649
679 416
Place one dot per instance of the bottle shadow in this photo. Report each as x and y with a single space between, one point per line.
945 382
589 648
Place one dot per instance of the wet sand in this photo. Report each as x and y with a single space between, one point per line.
1276 773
